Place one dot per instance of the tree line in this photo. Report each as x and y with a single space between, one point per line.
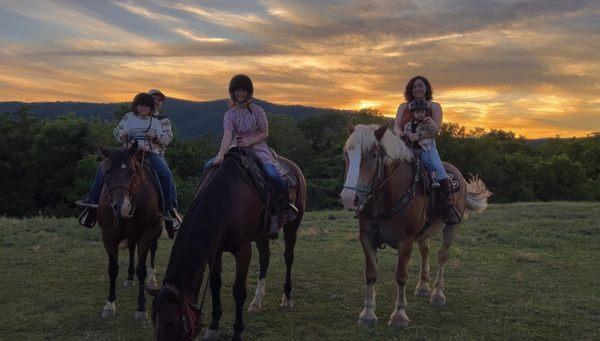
47 164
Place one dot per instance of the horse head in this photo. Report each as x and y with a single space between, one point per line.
120 169
172 317
368 150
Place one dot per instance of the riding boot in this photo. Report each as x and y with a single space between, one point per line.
450 214
279 215
171 222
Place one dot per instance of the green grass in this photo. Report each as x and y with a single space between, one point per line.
518 271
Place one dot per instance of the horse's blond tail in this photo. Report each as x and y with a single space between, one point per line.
477 195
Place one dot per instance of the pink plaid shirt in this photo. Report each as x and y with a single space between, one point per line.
249 124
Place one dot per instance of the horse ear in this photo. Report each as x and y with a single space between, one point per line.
105 153
381 130
134 147
349 128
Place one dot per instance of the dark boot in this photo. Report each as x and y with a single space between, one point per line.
87 218
172 222
450 214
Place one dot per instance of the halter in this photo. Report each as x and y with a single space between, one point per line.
129 190
378 182
372 189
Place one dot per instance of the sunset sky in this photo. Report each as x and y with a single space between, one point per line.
530 66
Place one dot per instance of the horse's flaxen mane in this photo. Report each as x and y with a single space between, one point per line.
364 137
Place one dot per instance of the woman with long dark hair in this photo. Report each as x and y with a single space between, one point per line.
418 121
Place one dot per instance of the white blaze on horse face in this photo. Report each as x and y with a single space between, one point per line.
125 207
348 195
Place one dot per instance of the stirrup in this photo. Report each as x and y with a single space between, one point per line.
86 219
292 212
85 203
176 216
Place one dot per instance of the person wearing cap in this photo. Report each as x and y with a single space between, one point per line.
160 163
245 125
418 121
139 125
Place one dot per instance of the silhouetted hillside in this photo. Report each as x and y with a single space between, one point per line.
190 118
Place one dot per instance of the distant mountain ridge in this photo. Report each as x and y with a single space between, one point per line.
190 118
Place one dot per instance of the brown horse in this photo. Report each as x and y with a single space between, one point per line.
225 215
383 187
128 210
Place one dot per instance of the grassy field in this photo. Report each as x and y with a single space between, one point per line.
518 271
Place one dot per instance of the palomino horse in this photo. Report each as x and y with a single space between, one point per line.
128 210
384 189
225 215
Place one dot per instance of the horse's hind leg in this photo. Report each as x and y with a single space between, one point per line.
141 272
367 317
264 254
151 282
399 317
240 291
437 296
290 234
213 332
130 270
423 285
112 250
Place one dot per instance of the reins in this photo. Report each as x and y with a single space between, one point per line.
375 186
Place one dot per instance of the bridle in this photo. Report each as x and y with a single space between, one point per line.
130 190
378 183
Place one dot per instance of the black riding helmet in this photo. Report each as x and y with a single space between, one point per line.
240 82
142 99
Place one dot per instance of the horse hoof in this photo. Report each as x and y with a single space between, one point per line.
211 335
367 322
151 283
367 319
254 307
398 322
128 284
140 316
420 292
109 310
438 300
287 303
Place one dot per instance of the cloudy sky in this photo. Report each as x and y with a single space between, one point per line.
531 66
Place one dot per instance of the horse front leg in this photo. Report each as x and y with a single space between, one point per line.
367 317
213 332
151 283
264 254
240 291
290 234
141 314
399 318
112 250
131 269
437 296
422 289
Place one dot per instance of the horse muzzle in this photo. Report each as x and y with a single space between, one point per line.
122 210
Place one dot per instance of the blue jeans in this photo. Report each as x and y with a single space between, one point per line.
433 163
97 184
270 171
165 176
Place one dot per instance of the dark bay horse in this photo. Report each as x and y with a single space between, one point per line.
225 215
382 188
128 210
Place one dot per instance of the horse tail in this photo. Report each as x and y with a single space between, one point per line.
477 194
